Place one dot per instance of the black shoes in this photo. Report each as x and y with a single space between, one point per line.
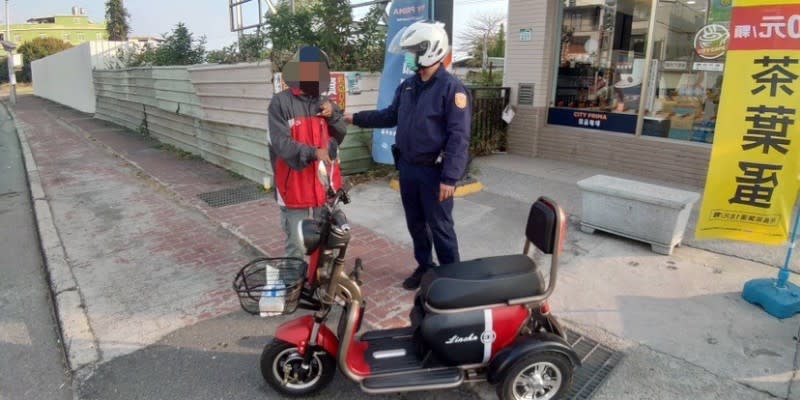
413 281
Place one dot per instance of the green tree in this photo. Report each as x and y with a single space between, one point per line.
499 47
370 40
180 48
249 48
287 31
117 21
133 56
333 20
483 30
36 49
329 25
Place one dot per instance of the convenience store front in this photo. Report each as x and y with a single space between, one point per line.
629 85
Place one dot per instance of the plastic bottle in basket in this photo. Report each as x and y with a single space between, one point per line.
272 301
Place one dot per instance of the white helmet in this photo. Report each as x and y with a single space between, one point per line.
427 40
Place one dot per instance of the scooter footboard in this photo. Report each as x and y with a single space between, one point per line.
298 332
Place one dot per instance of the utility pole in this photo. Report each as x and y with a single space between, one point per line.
12 78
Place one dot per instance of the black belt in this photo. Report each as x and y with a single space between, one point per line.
424 161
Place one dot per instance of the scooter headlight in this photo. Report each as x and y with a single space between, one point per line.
309 231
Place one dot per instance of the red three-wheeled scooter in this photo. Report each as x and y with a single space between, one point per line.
481 320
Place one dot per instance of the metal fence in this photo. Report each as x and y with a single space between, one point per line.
488 127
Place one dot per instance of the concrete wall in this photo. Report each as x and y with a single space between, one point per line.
529 62
66 77
216 111
670 160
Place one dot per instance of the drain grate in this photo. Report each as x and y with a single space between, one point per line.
227 197
598 361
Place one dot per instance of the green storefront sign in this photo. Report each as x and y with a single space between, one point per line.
720 11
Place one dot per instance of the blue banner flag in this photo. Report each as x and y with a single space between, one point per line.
402 14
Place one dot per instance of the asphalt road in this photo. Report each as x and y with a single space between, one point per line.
218 359
32 364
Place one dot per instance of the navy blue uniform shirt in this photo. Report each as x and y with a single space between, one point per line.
432 118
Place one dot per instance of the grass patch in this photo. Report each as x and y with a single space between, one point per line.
181 154
235 174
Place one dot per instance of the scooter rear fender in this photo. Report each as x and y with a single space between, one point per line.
540 343
298 332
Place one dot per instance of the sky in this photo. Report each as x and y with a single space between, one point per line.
202 17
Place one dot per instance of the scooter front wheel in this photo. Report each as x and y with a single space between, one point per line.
538 376
282 368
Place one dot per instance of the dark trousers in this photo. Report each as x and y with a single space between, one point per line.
429 221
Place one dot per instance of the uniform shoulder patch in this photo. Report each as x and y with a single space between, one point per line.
461 100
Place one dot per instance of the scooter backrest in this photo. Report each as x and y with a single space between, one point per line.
543 225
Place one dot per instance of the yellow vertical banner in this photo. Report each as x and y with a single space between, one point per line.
754 172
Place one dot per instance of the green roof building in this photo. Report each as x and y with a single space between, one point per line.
75 29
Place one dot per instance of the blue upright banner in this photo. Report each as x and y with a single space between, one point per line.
402 14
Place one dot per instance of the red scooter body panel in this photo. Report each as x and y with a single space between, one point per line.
298 331
311 274
506 322
356 359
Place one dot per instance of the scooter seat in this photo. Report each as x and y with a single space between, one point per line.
483 281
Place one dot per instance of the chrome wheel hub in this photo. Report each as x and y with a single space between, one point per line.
540 381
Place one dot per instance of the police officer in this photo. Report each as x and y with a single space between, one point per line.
432 113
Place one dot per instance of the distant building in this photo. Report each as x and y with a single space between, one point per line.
141 41
74 29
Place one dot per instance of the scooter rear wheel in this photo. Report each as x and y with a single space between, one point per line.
540 376
281 367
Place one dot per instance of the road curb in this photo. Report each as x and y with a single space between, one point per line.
79 341
463 189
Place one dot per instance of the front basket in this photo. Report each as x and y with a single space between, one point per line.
272 277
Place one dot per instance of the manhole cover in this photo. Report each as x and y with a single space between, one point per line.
227 197
598 361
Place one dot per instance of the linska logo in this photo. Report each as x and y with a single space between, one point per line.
459 339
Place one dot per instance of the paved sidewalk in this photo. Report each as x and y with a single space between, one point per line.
127 263
254 222
684 328
138 245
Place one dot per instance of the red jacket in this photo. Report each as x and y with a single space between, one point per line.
295 133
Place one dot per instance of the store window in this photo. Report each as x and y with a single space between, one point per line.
691 40
601 75
601 64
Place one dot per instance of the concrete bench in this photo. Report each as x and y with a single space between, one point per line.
641 211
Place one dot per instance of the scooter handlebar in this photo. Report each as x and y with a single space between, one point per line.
340 219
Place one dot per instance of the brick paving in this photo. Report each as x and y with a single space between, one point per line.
386 262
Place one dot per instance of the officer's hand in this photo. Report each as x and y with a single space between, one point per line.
323 155
326 110
446 191
348 118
